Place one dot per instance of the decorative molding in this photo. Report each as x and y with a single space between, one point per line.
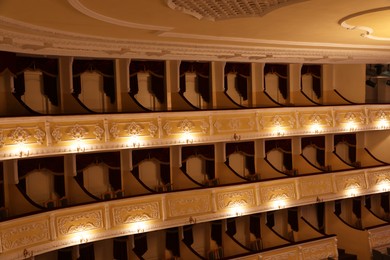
189 205
243 198
25 235
27 38
351 181
278 192
75 223
290 253
379 238
319 251
76 4
134 213
367 32
315 186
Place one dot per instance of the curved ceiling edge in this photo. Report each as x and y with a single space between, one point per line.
88 12
17 36
368 32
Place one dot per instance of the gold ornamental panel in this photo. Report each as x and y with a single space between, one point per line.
189 205
25 234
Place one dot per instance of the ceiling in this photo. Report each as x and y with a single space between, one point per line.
314 31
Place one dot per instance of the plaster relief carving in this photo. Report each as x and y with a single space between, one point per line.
315 186
320 251
80 222
379 238
136 213
245 198
347 182
231 125
379 178
278 192
188 206
24 235
283 256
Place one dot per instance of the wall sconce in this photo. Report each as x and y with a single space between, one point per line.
78 146
236 137
187 137
134 141
22 150
279 204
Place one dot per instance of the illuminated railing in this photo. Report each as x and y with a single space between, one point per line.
69 226
47 135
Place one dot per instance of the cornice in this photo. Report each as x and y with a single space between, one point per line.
21 37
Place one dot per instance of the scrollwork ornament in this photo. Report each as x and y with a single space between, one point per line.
234 124
134 129
152 129
19 135
277 121
39 135
168 128
56 134
98 132
77 132
2 139
114 131
204 126
186 126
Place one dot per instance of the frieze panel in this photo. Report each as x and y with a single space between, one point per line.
316 122
244 198
79 131
278 192
25 235
379 238
193 125
80 222
319 251
290 254
379 178
136 213
189 205
238 123
315 186
134 128
347 182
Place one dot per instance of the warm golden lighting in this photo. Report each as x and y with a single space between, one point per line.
81 237
351 126
383 185
187 137
316 128
237 211
22 150
278 131
279 204
353 192
78 145
138 227
134 141
382 124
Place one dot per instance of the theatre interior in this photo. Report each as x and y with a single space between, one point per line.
194 129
